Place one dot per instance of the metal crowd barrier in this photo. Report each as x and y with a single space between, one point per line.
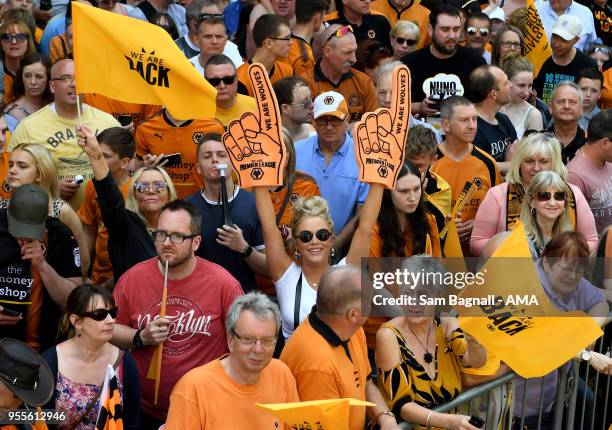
589 411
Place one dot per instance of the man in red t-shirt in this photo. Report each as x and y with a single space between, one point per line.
199 296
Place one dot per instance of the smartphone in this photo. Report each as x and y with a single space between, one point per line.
476 421
173 159
10 313
124 119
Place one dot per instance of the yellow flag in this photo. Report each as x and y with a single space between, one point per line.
537 48
532 338
332 414
452 245
137 62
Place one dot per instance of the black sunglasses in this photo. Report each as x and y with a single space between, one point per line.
306 236
100 314
402 41
544 196
212 16
227 80
19 37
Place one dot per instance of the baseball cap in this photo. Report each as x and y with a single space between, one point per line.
25 373
497 13
27 212
567 27
330 103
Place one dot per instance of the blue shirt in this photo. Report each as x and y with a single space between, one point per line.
55 27
338 181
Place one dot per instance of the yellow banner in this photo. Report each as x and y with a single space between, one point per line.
521 326
332 414
537 48
133 61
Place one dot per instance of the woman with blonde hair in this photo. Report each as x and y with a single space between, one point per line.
129 224
522 114
16 42
404 38
31 163
545 210
502 205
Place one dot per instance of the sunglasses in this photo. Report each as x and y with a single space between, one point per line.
19 37
342 31
484 32
284 39
306 236
544 196
407 42
155 186
211 16
100 314
334 121
602 49
227 80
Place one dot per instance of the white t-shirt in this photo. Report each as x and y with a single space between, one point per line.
230 51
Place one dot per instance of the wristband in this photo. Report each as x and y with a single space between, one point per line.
427 419
248 250
137 340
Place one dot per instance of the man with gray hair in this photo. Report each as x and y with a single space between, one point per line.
239 380
566 109
327 354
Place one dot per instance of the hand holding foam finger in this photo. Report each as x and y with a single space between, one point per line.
380 136
255 143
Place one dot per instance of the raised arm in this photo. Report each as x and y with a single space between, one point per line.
360 244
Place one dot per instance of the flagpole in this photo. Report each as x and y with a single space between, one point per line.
79 106
162 314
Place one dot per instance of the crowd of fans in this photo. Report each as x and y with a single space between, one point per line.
101 209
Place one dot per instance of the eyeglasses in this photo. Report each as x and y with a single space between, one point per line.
100 314
211 16
333 120
227 80
407 42
65 79
155 186
509 44
342 31
306 236
266 342
577 269
176 238
484 32
284 38
19 37
544 196
302 105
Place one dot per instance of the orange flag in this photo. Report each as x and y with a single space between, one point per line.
520 325
133 61
110 414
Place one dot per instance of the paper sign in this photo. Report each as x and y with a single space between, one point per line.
332 414
442 86
254 142
380 136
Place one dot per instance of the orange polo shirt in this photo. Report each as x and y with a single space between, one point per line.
415 13
300 57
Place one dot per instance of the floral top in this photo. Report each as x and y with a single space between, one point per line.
73 398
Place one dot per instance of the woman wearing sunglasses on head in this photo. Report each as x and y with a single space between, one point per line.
404 38
501 207
545 210
16 42
130 223
79 364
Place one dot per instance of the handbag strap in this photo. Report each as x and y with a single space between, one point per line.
94 400
298 299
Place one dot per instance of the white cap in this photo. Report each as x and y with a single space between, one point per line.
567 27
330 103
497 13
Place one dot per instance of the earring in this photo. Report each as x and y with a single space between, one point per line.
78 334
332 253
297 254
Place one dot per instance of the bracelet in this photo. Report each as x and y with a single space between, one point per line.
427 419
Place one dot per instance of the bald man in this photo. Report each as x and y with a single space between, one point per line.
327 354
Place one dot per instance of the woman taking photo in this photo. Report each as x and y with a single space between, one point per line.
502 205
16 42
31 90
130 223
418 356
545 210
79 364
31 163
522 114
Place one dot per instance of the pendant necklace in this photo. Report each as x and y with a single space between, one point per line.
427 356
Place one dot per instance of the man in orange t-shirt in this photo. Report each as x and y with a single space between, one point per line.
459 161
272 38
239 380
117 146
163 134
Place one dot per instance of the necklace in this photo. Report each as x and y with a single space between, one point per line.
427 356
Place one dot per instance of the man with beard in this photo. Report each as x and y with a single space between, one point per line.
199 295
444 55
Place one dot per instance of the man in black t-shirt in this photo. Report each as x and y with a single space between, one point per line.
566 62
602 14
566 109
39 267
444 55
366 25
490 90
